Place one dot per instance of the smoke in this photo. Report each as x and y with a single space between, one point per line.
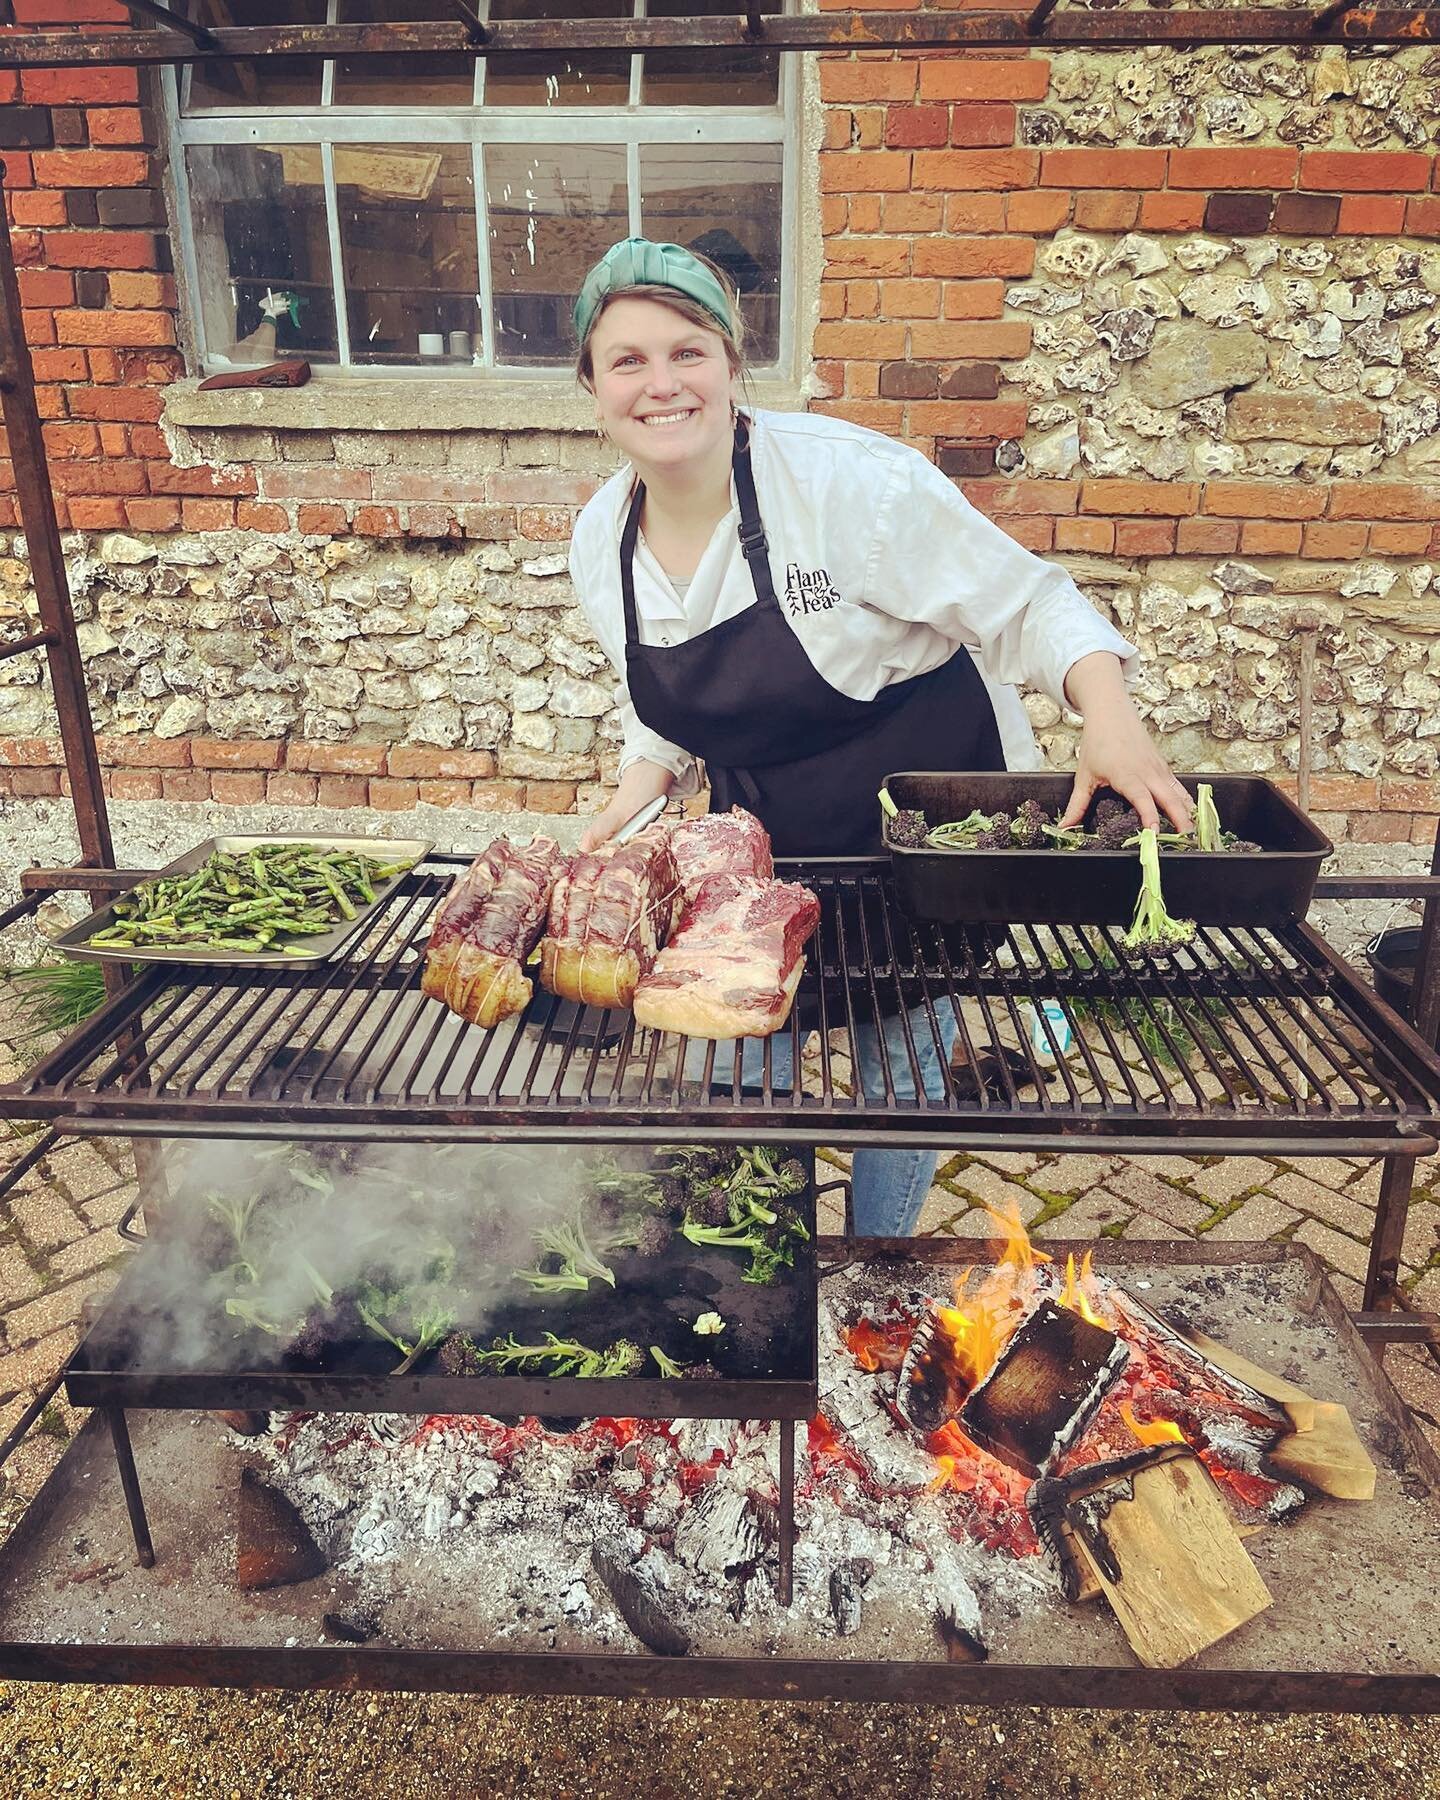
255 1240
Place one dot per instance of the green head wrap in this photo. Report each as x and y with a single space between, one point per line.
636 262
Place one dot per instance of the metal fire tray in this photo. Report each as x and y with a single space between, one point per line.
1088 887
305 950
1352 1627
1251 1038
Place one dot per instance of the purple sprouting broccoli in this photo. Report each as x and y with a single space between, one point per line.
908 830
710 1205
1108 806
1117 829
997 837
1027 828
460 1355
701 1371
653 1237
313 1334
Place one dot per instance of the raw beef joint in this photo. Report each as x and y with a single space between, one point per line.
732 968
490 922
732 843
609 915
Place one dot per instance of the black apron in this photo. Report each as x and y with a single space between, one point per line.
775 736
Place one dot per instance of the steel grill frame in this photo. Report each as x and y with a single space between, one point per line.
1293 1048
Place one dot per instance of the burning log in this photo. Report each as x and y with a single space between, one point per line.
1156 1535
1045 1388
642 1596
1299 1406
929 1393
273 1547
1329 1457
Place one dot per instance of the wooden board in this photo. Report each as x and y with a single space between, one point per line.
1297 1403
1329 1457
1186 1580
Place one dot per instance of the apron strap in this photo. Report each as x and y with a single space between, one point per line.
754 545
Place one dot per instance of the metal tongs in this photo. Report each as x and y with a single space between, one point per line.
637 822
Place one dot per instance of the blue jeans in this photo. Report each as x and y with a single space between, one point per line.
889 1186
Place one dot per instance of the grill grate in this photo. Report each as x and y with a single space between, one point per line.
1249 1035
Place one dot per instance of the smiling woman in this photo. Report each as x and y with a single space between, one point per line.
807 607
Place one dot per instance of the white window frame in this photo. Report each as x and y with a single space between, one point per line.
629 126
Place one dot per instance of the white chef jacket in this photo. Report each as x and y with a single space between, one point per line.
882 568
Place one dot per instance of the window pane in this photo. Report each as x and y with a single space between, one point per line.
733 78
554 210
400 80
723 200
257 81
408 240
262 251
590 79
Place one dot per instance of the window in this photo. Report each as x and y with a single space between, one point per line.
430 214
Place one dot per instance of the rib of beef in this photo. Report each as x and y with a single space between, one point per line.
731 843
732 968
490 922
609 915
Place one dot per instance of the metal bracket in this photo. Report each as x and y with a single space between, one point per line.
198 34
125 1228
754 24
1035 23
476 29
38 640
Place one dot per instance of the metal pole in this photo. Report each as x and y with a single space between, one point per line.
130 1483
47 567
1397 1175
1425 994
785 1587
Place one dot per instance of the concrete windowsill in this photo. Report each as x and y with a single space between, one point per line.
421 405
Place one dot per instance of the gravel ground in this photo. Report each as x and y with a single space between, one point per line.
85 1741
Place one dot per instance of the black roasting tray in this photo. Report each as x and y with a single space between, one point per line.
1098 887
765 1359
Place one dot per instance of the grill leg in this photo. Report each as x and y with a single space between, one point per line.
130 1484
785 1586
1396 1179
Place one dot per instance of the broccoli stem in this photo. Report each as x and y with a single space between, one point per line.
1208 835
668 1369
1152 927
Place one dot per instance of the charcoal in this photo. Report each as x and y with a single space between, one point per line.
926 1393
719 1534
644 1602
273 1547
847 1579
356 1627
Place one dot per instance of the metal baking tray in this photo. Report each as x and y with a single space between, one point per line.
1099 887
320 948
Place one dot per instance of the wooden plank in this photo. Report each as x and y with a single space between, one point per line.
1185 1579
1091 1586
1329 1457
1297 1403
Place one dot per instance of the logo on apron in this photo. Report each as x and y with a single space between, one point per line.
809 590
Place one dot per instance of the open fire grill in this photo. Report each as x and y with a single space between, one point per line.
1248 1038
941 1526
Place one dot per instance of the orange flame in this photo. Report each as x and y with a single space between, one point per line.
1078 1292
1151 1431
958 1459
978 1326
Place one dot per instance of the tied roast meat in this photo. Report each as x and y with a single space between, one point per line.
490 922
609 914
732 968
730 843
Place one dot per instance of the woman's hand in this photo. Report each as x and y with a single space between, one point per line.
641 783
1117 752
